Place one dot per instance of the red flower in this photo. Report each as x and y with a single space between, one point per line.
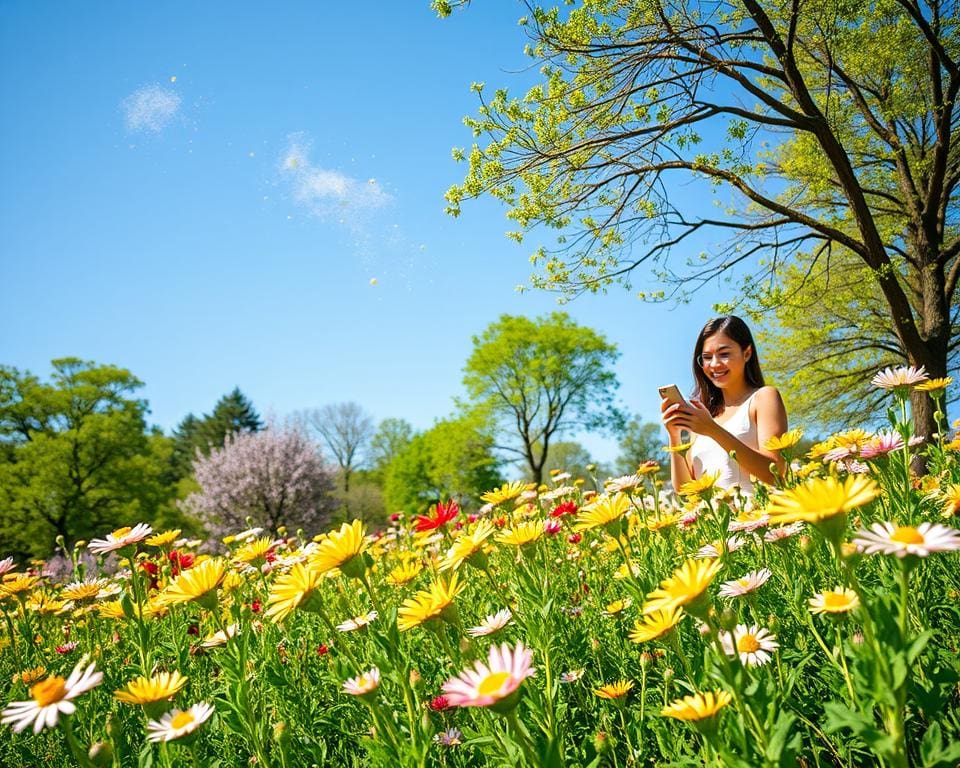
179 561
566 508
500 522
255 606
552 527
443 514
395 517
323 649
439 703
472 518
153 570
574 538
193 629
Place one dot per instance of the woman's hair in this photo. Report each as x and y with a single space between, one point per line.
707 392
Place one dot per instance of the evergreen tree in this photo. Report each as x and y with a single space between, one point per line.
233 414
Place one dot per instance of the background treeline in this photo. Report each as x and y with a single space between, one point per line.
78 457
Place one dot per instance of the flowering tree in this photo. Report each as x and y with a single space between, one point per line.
275 477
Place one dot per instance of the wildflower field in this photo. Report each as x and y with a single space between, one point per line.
579 623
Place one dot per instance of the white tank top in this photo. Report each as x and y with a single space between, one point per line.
708 458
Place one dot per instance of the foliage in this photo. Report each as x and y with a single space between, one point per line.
304 662
640 441
75 454
452 459
539 378
828 128
232 414
568 456
268 479
392 436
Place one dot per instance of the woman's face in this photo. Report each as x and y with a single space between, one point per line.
723 360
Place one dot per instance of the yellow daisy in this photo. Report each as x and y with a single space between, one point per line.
820 499
683 588
699 706
83 591
616 690
468 546
521 534
296 588
164 539
163 686
839 600
934 385
618 606
341 549
784 441
506 492
15 584
435 602
602 512
254 552
950 496
699 487
406 572
198 583
681 448
655 624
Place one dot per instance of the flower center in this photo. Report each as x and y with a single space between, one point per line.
182 719
121 532
492 683
907 535
748 644
834 600
50 691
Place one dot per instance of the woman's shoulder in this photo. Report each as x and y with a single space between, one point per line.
767 397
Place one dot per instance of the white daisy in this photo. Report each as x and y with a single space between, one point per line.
220 637
491 624
745 584
903 540
358 622
716 549
120 538
572 676
6 565
364 684
899 378
748 521
179 723
782 532
51 697
617 484
752 644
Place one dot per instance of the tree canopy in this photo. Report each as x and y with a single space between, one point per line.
825 128
233 414
539 378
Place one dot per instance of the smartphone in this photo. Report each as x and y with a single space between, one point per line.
671 393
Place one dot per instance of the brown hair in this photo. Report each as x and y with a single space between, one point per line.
731 325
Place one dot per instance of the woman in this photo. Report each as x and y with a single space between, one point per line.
730 411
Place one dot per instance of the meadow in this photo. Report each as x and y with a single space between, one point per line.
583 622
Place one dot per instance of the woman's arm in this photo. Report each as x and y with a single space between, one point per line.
680 471
771 421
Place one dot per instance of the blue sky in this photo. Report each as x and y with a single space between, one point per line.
218 195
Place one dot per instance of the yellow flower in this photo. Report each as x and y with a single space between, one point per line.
506 492
16 584
699 706
522 533
655 624
340 548
405 572
254 552
618 606
147 690
468 545
198 583
935 385
686 584
81 591
819 499
681 448
165 538
603 511
616 690
29 676
292 589
665 520
436 602
953 445
700 486
784 441
839 600
950 496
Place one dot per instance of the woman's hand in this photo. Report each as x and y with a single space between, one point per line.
693 417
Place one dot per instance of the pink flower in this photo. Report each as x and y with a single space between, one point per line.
881 444
552 527
493 683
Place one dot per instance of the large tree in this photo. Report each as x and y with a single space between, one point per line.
539 378
391 437
77 459
232 414
454 459
825 127
270 478
346 430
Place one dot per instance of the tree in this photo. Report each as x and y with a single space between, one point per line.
829 127
568 456
823 333
274 477
391 437
77 457
232 414
640 441
540 378
346 430
454 459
